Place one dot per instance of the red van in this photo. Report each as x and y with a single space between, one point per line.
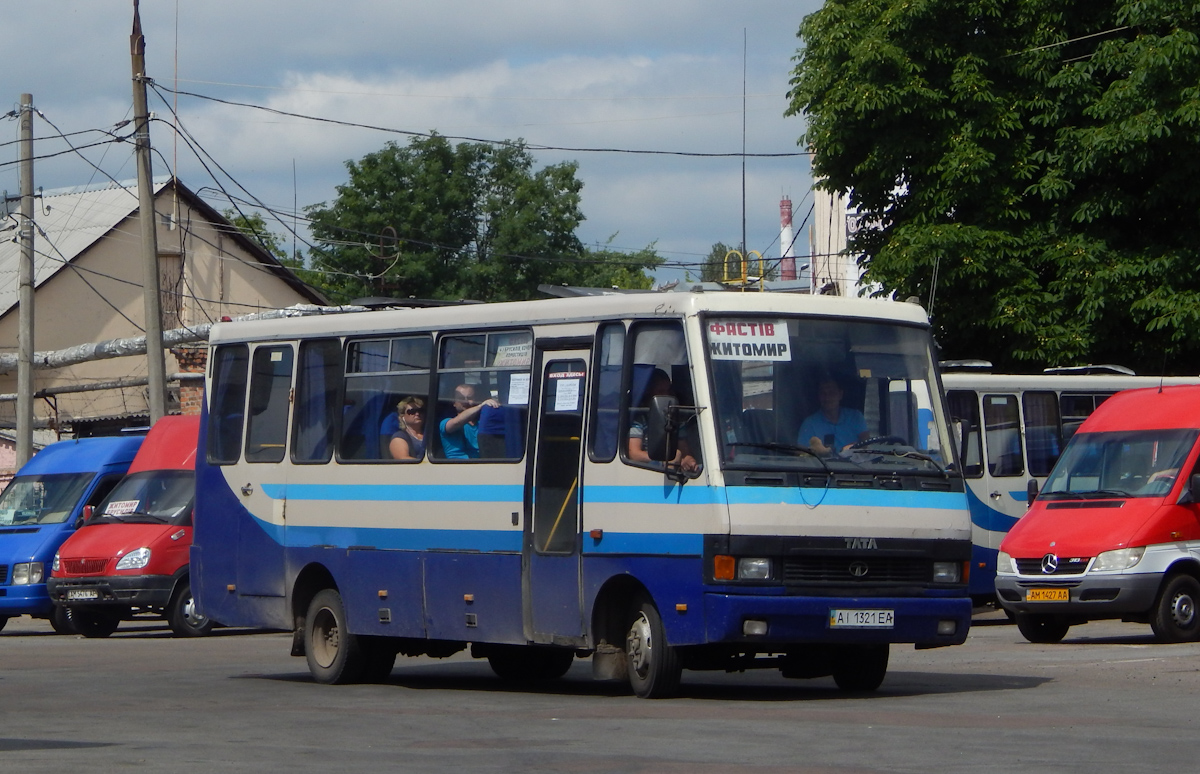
131 556
1115 532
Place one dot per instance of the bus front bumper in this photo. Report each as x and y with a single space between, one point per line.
777 620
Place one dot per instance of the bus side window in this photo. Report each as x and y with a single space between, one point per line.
228 404
318 385
1043 437
605 425
270 385
1002 434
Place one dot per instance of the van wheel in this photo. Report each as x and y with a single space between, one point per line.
183 617
61 620
333 653
3 621
1175 616
1042 629
860 668
654 666
94 624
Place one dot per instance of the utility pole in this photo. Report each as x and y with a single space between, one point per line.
25 280
156 370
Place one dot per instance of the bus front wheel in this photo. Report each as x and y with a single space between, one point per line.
333 653
654 666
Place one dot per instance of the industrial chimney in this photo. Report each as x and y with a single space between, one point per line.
787 253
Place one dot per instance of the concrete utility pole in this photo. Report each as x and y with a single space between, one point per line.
25 280
156 369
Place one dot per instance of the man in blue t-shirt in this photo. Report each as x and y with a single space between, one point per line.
833 427
459 433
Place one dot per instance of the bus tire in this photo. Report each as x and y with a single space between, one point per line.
183 617
1042 629
1175 617
529 662
860 667
654 665
94 624
3 621
333 654
60 620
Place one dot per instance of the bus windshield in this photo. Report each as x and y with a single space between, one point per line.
42 499
1126 463
827 396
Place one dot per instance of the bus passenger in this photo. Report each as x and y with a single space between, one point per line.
459 433
408 442
660 384
832 427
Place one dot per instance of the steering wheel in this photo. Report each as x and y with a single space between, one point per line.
892 439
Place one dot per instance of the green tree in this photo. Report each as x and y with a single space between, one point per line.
1039 159
442 221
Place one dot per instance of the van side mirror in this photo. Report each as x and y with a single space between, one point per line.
86 516
662 432
1193 489
1031 492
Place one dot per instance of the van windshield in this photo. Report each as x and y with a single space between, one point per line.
151 496
1125 463
42 499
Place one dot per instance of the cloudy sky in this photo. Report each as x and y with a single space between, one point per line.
663 75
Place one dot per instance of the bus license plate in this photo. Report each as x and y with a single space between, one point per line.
82 594
862 619
1048 595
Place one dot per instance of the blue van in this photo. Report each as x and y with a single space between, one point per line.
42 506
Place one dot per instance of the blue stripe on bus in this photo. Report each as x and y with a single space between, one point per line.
475 540
667 494
986 517
860 498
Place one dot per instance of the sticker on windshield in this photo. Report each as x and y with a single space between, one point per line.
121 507
748 340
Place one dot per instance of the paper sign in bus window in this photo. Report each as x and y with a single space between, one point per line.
566 396
749 340
122 507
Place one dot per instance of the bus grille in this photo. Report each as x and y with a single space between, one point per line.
3 573
1065 567
856 569
84 566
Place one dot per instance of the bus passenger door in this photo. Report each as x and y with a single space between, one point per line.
553 607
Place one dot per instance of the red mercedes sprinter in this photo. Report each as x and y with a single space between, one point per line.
131 556
1115 533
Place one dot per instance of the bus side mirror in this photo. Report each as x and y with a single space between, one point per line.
1031 491
86 516
662 432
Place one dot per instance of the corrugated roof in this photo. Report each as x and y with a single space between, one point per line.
73 219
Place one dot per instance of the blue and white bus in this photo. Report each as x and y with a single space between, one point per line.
638 492
1010 430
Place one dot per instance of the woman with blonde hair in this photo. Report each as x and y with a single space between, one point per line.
408 443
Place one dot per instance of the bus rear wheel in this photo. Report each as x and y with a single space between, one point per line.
333 653
654 666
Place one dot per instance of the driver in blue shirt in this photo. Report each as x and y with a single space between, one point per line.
832 427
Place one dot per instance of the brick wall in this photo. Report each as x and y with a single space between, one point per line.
192 359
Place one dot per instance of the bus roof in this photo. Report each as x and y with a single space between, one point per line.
566 310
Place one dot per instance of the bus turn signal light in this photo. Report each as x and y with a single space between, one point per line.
723 567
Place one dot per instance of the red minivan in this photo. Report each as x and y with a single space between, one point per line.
1115 532
131 556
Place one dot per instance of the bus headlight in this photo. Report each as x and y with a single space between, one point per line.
134 560
1005 564
28 573
947 572
1121 559
754 569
